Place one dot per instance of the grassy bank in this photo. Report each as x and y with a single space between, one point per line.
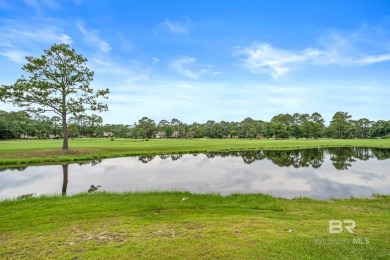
16 152
159 225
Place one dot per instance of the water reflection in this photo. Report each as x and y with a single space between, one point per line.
19 169
310 173
342 157
92 163
173 157
65 174
65 180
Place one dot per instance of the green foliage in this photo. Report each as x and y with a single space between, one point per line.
340 125
58 81
283 126
380 128
73 130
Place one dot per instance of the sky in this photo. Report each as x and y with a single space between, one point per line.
213 60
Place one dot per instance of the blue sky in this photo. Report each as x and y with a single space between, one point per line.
219 60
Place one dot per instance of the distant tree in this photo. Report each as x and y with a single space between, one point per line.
93 122
140 133
306 127
148 125
210 128
312 126
42 125
380 128
10 126
59 82
56 122
73 130
175 122
234 129
169 131
224 128
318 124
282 131
182 129
339 123
296 130
197 129
162 126
248 128
362 126
279 130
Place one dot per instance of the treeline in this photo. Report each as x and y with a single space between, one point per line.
282 126
23 125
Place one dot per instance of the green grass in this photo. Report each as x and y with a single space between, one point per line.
16 152
157 225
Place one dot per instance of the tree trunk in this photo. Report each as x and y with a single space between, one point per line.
65 180
65 130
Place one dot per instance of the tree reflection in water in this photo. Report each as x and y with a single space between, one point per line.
65 179
19 169
65 168
146 159
341 157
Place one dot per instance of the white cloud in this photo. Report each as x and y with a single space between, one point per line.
155 60
92 38
375 59
125 72
348 49
176 27
15 55
188 67
20 40
263 58
124 43
12 35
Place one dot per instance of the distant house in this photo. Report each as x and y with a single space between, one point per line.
108 134
175 134
54 136
26 136
161 135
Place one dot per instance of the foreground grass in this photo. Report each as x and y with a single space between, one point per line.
157 225
16 152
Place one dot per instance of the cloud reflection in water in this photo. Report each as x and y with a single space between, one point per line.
315 173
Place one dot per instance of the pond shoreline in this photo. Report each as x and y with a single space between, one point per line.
318 173
43 152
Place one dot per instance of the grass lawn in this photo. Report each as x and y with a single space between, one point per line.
157 225
16 152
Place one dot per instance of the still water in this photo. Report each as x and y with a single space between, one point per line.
314 173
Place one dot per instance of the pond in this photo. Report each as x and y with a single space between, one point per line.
315 173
